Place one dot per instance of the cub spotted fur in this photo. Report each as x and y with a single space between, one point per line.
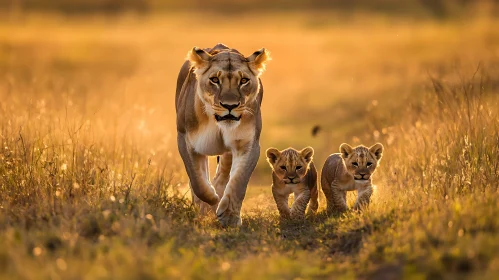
293 172
350 170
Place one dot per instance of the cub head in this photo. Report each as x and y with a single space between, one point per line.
361 161
227 81
290 165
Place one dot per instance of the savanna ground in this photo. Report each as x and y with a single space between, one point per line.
91 184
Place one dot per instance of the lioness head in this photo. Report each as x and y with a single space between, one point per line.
361 161
290 165
227 81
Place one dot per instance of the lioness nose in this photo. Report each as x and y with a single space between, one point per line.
229 106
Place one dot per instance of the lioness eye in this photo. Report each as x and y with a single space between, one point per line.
298 167
369 164
355 164
244 81
283 167
214 80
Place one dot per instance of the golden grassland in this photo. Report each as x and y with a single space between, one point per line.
91 184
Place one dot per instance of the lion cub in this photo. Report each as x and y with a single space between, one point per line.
293 172
350 170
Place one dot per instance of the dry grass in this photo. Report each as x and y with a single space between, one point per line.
91 185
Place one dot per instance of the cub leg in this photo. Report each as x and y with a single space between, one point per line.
363 197
300 204
339 200
328 193
314 200
281 201
336 199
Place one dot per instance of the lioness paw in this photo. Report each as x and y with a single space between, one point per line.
227 215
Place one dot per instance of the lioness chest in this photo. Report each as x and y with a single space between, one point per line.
213 139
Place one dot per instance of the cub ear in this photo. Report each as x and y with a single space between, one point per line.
307 154
198 57
258 60
377 150
345 150
272 155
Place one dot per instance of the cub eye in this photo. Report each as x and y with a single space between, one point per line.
355 164
244 81
214 80
298 167
283 167
369 164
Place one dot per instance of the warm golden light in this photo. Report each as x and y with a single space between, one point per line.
92 184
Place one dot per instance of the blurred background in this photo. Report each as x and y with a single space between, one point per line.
438 8
91 181
342 71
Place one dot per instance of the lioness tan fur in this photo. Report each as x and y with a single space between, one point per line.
217 101
293 172
350 170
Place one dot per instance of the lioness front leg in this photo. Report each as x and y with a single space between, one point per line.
204 207
196 166
300 204
222 175
363 197
243 164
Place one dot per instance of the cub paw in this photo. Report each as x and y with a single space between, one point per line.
360 206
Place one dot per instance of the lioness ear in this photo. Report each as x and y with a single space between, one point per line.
272 155
377 150
307 154
345 150
198 57
258 60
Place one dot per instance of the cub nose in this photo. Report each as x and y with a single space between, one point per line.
229 106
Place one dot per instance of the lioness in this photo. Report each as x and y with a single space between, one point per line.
293 172
218 100
350 170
